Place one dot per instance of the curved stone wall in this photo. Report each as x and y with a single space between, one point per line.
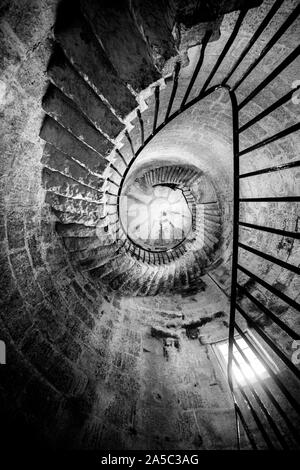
77 354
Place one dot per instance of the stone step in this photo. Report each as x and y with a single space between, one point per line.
123 43
208 252
64 111
74 230
61 184
53 133
159 284
132 280
90 264
190 177
206 230
65 77
110 266
69 217
81 243
153 287
100 254
122 279
211 237
121 265
58 161
77 207
89 59
145 281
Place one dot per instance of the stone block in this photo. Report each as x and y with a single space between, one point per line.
25 277
84 315
34 247
74 230
15 230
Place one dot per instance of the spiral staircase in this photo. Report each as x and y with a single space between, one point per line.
118 78
83 164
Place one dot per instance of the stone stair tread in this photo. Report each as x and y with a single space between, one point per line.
137 70
66 78
63 110
53 133
62 185
55 160
89 59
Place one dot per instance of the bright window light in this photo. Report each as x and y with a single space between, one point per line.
244 373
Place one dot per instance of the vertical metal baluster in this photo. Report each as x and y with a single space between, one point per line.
254 38
270 44
121 157
225 50
156 93
139 115
130 143
197 68
174 89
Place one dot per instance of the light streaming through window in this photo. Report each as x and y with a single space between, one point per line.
244 373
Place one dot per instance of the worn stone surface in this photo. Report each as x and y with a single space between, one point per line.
90 60
65 186
56 105
62 163
65 77
156 26
114 26
56 135
89 369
